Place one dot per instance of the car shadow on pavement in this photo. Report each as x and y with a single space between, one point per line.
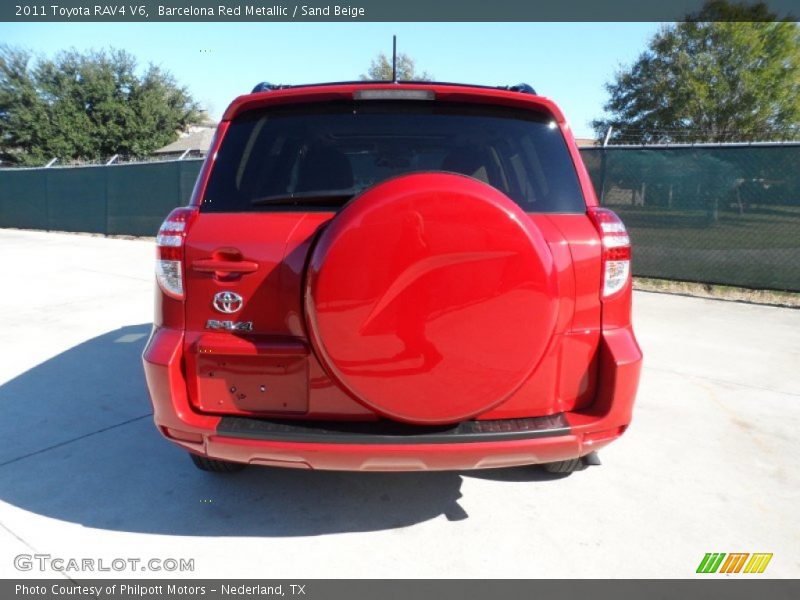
80 446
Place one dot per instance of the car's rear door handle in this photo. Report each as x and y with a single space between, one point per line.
212 265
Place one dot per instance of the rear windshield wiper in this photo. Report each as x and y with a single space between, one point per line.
311 197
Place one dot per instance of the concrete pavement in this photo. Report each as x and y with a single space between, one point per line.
707 466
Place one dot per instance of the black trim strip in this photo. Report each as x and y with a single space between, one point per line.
391 432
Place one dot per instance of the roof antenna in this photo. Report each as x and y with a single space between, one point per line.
394 59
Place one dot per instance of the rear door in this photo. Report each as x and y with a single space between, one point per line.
281 174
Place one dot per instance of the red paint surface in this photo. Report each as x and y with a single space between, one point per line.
431 298
398 306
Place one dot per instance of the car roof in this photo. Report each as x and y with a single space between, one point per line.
266 94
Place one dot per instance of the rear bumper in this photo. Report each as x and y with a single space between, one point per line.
474 445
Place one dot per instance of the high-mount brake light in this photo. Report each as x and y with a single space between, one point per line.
392 94
169 249
616 249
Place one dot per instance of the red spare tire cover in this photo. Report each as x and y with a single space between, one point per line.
431 297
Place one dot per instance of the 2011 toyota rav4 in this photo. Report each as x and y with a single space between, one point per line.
392 277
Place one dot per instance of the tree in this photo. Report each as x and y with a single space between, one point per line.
729 73
381 69
86 106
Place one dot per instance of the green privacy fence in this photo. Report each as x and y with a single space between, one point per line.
118 199
723 214
714 214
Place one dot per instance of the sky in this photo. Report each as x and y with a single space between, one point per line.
568 62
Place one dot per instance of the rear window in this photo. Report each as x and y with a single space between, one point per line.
317 157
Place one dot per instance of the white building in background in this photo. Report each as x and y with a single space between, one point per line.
194 141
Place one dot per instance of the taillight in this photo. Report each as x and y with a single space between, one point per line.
169 249
616 249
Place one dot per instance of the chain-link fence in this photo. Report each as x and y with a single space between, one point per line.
724 214
713 214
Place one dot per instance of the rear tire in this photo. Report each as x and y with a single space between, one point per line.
564 466
215 466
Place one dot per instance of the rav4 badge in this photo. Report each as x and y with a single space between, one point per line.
229 325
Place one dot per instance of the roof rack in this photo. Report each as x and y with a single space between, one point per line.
265 86
522 88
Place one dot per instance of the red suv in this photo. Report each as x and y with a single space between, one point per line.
392 277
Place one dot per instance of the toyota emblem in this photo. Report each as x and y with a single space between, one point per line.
228 302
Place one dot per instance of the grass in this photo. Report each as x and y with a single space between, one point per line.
718 292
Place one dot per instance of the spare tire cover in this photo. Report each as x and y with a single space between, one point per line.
431 297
